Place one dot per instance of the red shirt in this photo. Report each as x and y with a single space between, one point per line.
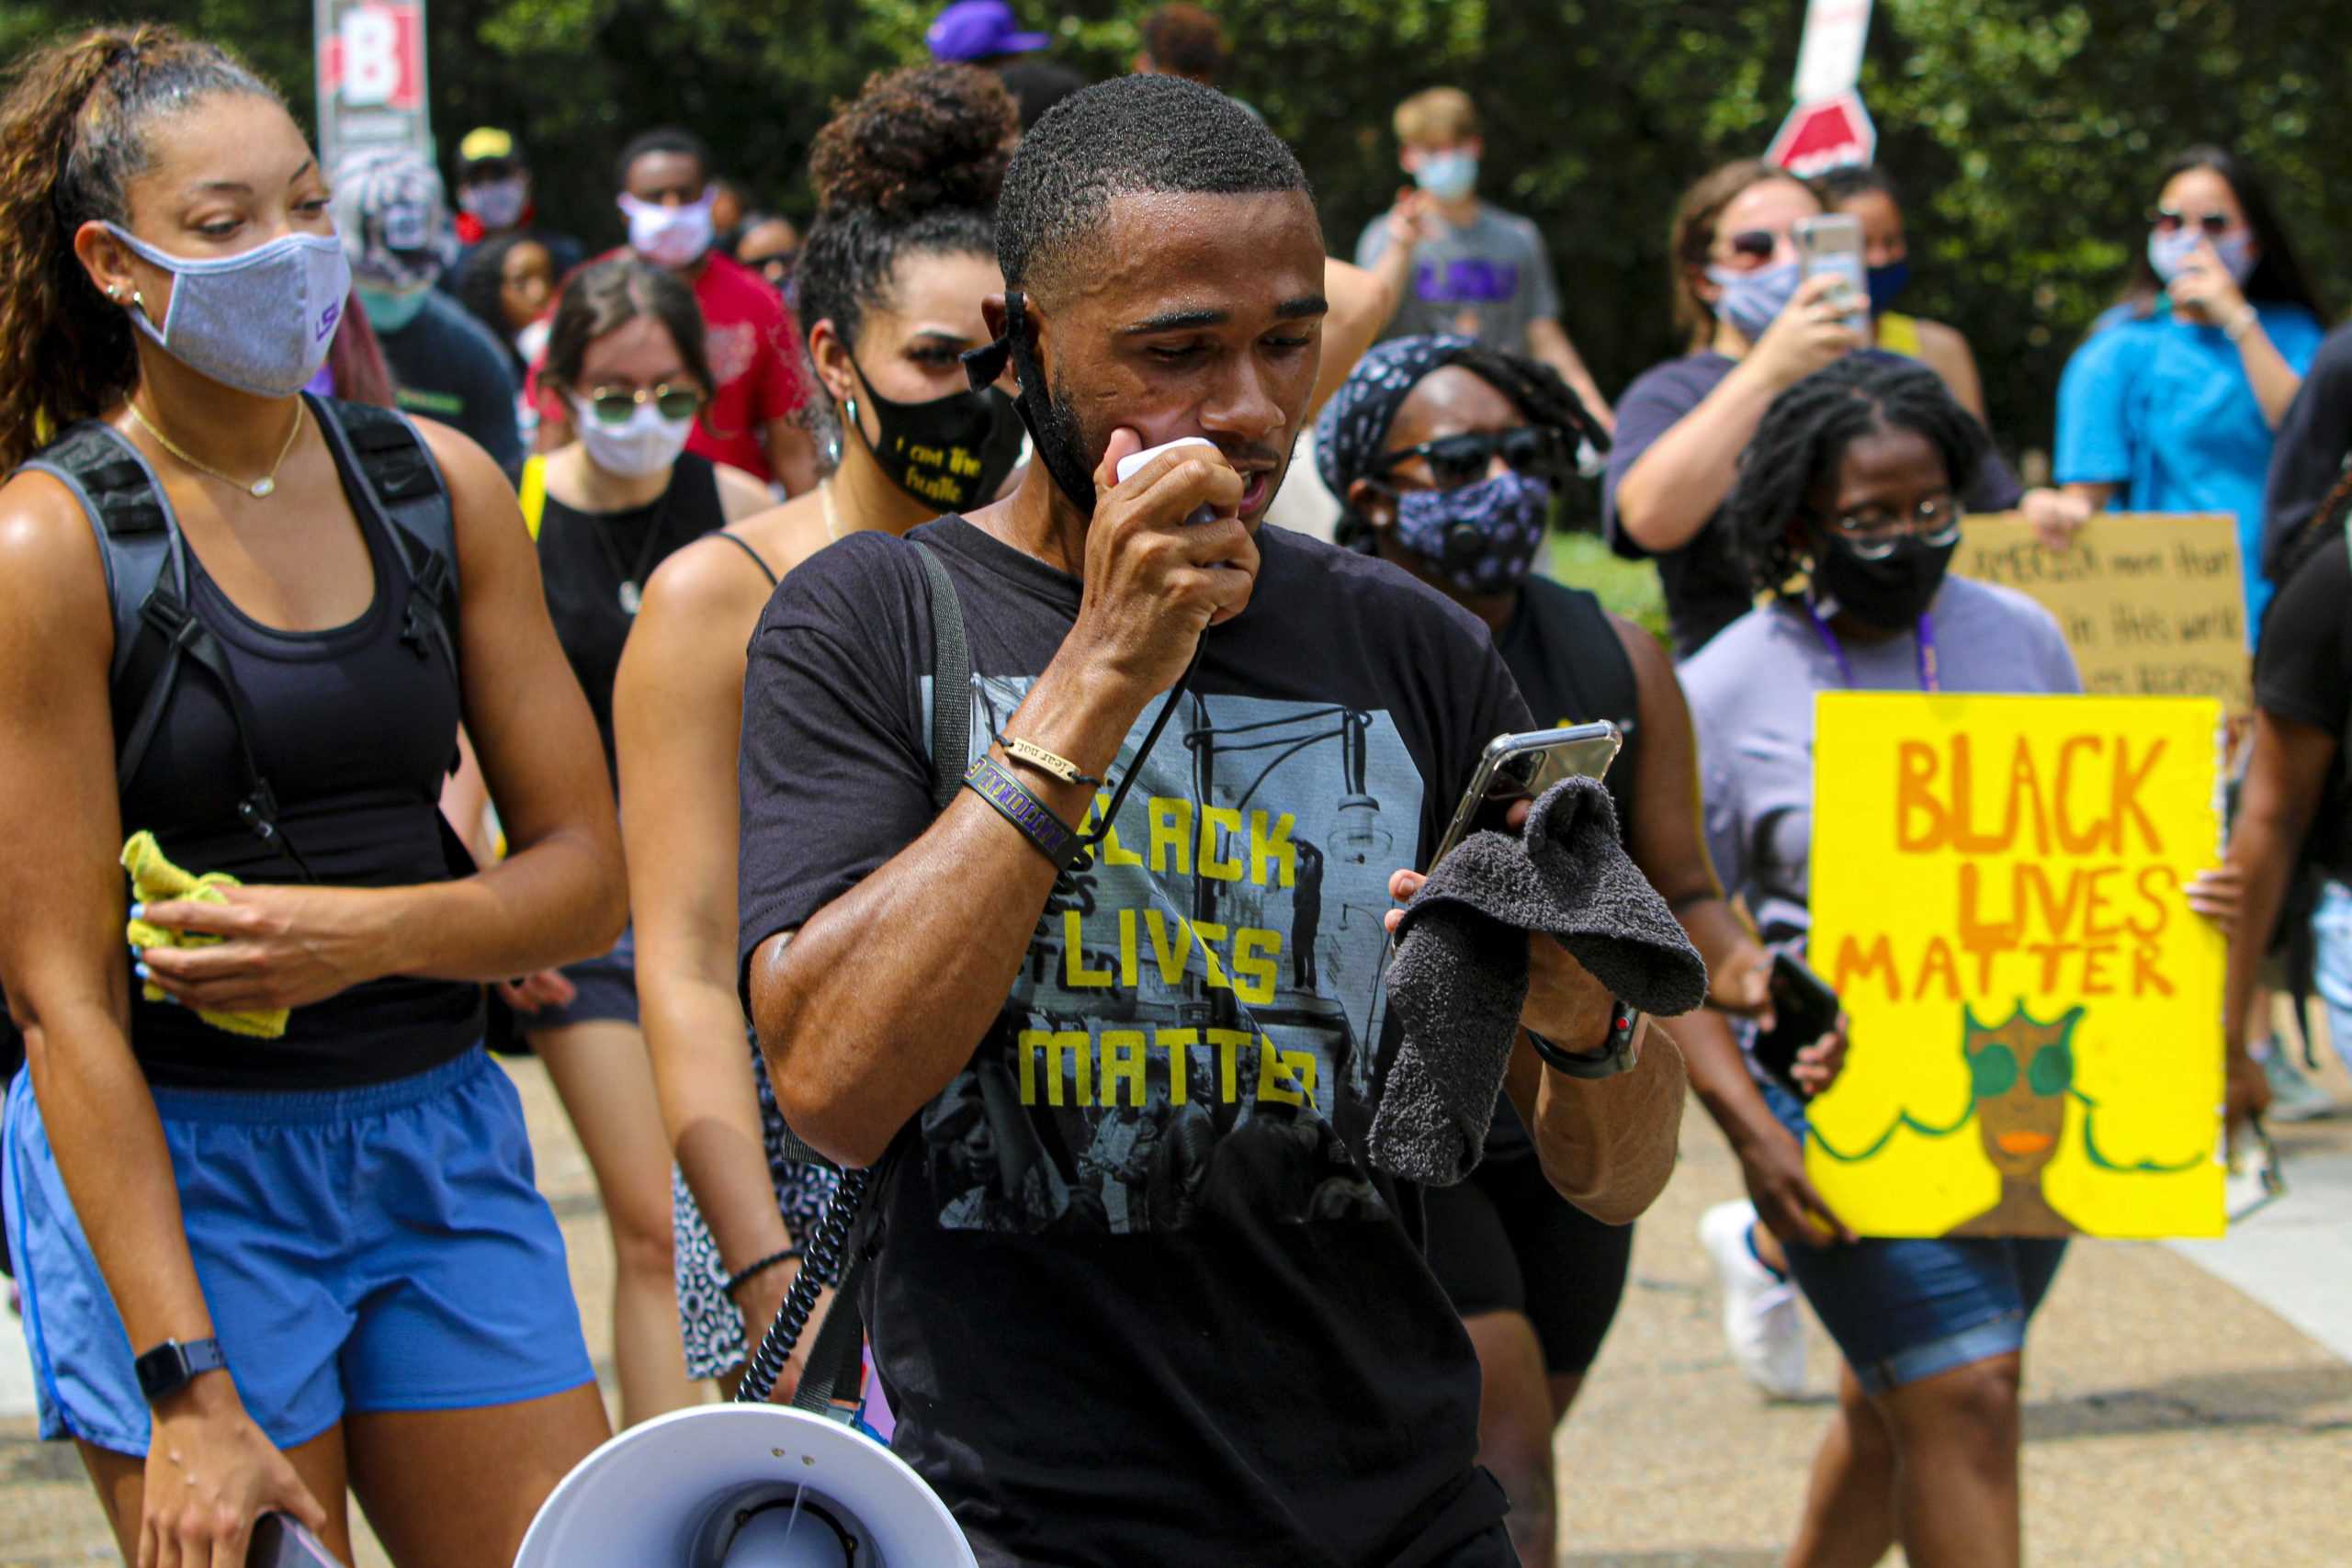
753 347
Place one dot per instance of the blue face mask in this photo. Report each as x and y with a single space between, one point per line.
2168 254
1886 282
1481 538
1753 300
1449 175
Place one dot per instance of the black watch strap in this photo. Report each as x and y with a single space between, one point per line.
172 1365
1616 1055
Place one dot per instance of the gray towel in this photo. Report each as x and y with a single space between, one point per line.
1459 977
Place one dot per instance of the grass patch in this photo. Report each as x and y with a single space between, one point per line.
1629 587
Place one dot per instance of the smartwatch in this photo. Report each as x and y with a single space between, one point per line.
1618 1053
176 1364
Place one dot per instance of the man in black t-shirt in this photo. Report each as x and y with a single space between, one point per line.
1139 1298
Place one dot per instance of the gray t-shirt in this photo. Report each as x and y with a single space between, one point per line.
1486 280
1751 692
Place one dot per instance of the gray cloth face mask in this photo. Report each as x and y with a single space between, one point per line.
260 322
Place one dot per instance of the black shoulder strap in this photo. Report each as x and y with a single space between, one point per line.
156 629
835 1359
744 545
393 459
951 681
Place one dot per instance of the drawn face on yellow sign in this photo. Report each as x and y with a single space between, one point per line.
2021 1071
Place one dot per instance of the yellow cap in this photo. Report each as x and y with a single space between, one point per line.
485 142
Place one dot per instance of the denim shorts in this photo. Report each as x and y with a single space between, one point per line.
361 1250
1904 1310
606 985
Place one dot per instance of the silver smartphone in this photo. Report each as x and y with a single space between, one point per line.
1832 242
1521 767
280 1541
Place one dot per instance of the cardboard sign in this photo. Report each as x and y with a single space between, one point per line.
1998 897
2152 603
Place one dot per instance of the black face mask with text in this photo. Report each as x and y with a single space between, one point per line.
1892 593
952 453
1053 424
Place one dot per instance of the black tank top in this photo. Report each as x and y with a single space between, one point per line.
355 729
595 563
1570 667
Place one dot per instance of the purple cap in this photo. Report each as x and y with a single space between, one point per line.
980 30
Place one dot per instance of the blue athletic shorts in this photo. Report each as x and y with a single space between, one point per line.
366 1250
1902 1311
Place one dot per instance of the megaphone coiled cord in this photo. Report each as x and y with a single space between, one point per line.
820 1267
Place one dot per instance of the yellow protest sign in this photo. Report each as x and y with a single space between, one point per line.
1998 897
2152 603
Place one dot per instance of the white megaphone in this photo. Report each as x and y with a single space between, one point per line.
743 1487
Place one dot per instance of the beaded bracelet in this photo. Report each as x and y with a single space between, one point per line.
737 1280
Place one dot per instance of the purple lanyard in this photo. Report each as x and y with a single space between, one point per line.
1926 649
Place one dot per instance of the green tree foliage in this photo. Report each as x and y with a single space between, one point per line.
2026 134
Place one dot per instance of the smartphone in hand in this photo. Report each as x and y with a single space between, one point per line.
280 1541
1803 1010
1832 242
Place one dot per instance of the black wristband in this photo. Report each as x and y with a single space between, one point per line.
1017 805
736 1281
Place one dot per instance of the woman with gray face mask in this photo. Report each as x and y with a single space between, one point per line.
270 1205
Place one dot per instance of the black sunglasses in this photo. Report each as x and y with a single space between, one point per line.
1458 460
1758 243
2165 221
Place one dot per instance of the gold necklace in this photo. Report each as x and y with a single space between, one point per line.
260 489
832 518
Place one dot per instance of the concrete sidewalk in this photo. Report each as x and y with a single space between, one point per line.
2173 1419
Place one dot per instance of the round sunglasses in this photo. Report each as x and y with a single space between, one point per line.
618 405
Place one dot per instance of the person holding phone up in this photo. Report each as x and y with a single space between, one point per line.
2174 400
1446 454
1138 1297
1756 325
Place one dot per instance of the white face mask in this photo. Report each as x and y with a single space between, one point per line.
669 236
646 446
261 322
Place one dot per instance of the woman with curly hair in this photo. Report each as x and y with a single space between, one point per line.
890 287
270 1205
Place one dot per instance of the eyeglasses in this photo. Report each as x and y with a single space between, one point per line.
617 405
2165 221
1755 244
1873 533
1458 460
776 267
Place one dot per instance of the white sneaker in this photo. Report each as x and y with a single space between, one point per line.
1761 1324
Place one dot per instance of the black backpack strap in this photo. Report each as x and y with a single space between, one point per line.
397 466
951 681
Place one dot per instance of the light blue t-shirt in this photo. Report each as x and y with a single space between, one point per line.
2162 408
1751 692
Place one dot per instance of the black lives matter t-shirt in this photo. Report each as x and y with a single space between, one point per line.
1138 1299
2302 670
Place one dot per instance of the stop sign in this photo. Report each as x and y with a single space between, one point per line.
1825 135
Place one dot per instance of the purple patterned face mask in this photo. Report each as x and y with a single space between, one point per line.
1481 538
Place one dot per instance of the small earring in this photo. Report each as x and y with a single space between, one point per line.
851 403
114 291
140 300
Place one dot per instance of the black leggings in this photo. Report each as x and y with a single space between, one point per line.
1504 1241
